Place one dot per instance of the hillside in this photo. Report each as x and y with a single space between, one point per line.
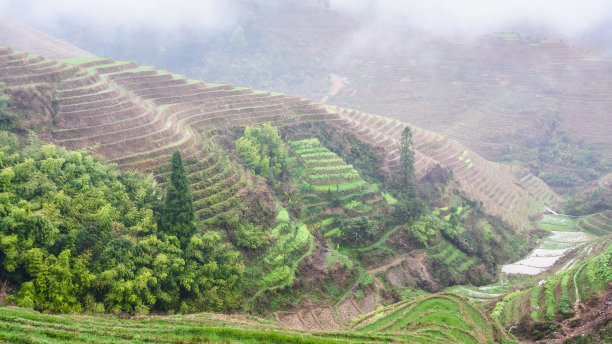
303 200
136 116
22 37
520 98
573 302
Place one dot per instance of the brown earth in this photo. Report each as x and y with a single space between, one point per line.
588 319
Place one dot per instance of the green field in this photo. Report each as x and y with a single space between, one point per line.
327 181
441 317
445 317
585 276
551 222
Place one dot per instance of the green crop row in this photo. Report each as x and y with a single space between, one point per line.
311 150
336 168
24 326
317 155
499 307
352 175
302 144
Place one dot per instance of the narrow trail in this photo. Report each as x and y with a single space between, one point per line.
576 284
385 267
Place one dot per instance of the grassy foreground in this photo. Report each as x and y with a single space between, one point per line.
441 317
18 325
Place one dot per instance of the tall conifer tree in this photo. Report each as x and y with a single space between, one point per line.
407 162
178 214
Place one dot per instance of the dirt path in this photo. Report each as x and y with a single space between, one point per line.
337 84
385 267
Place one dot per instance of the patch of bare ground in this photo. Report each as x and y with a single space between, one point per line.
337 84
589 318
326 318
369 303
410 271
319 315
347 310
319 257
291 320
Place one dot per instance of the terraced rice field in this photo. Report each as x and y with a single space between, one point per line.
137 116
435 318
551 249
557 223
597 224
26 326
484 294
438 318
326 179
566 234
456 260
508 192
580 279
489 95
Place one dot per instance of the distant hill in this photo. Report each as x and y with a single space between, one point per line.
22 37
509 97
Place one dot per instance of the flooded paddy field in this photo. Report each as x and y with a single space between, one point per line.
550 249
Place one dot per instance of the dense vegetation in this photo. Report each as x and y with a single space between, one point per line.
262 150
560 162
281 219
78 235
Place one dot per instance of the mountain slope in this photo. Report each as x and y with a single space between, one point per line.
137 115
505 96
22 37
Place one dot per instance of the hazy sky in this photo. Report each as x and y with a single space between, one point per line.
571 17
568 17
209 15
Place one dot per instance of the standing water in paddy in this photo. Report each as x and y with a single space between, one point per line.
551 248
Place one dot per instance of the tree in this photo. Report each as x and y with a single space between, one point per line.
407 162
6 121
178 214
263 151
238 39
358 232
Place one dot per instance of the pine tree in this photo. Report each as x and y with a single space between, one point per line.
407 162
178 214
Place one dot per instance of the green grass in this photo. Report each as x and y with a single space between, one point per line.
446 317
19 325
534 302
551 222
558 295
389 198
